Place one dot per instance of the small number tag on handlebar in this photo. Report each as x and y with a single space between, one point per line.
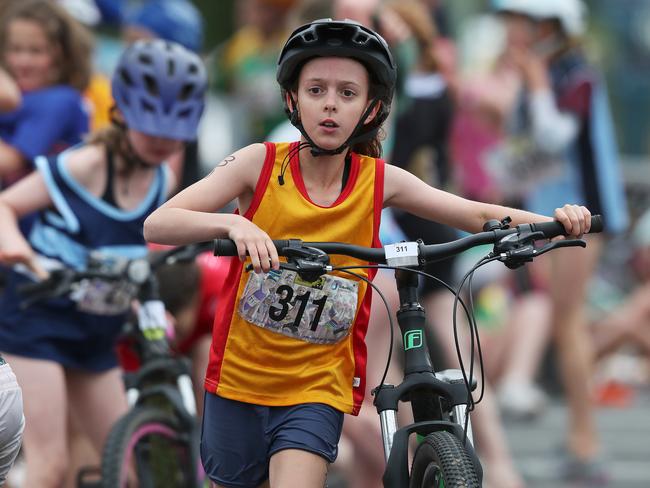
402 254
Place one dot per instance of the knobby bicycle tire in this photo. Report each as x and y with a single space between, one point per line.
146 449
442 461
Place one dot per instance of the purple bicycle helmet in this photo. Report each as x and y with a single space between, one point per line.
159 87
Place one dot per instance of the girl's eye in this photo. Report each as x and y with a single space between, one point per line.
348 93
315 90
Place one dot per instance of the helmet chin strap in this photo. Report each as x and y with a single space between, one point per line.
354 138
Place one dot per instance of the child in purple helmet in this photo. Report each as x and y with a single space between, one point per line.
93 197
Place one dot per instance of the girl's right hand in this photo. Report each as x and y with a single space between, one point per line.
250 239
17 250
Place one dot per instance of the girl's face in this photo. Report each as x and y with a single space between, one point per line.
332 95
152 149
520 31
29 55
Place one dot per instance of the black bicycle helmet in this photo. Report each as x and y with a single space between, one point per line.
343 38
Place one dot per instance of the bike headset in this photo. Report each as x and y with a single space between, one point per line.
159 87
339 38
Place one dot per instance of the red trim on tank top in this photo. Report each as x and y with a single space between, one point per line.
379 200
263 180
359 343
222 323
300 183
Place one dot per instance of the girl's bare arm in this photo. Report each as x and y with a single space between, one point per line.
406 191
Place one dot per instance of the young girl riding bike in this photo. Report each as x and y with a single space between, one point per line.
275 396
92 198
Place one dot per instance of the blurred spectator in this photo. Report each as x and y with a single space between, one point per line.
245 67
623 318
561 147
10 97
48 55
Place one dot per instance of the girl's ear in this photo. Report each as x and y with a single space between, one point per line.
373 113
290 97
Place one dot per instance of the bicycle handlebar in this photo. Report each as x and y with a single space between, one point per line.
427 252
136 271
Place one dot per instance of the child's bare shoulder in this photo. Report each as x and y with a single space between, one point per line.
85 163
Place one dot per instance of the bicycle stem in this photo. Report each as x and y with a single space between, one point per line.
411 319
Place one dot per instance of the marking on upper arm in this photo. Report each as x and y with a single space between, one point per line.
221 164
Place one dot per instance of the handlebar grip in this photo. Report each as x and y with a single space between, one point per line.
225 247
555 228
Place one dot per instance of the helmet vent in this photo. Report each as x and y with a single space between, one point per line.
170 68
193 69
145 59
151 85
183 114
186 91
146 106
124 74
334 42
309 37
360 39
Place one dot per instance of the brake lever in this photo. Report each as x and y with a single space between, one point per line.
516 257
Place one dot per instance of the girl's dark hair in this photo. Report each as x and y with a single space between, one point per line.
114 137
74 41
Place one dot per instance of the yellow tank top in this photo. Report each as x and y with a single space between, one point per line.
263 354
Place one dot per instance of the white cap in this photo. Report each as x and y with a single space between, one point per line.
570 13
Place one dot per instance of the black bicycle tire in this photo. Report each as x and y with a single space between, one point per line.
442 452
119 441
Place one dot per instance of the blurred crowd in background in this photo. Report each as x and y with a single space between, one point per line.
459 93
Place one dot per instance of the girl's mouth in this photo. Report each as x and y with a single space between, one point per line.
329 124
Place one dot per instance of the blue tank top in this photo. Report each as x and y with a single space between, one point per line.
82 222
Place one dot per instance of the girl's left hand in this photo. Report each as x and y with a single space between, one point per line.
575 218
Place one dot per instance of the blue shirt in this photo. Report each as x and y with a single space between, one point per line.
47 121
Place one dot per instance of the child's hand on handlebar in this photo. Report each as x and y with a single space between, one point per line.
15 251
575 218
252 240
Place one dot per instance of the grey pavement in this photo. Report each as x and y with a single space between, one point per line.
537 445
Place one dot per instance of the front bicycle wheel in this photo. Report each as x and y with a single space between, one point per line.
147 449
441 461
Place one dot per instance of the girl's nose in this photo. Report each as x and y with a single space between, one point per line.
330 102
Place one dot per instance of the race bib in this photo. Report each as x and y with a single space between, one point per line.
102 297
320 312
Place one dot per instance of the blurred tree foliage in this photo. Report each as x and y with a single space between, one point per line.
219 18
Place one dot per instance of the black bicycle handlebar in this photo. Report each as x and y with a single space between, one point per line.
427 252
60 281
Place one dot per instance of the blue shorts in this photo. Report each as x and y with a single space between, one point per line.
238 439
55 331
